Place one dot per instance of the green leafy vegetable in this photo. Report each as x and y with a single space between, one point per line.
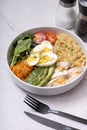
40 75
23 45
47 77
37 75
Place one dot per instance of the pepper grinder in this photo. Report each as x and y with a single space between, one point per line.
81 23
66 14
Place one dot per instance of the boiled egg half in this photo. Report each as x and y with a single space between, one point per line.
33 59
42 55
47 59
44 47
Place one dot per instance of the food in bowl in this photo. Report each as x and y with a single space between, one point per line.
47 58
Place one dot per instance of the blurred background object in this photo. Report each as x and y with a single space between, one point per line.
66 14
81 23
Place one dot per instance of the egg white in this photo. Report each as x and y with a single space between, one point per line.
42 55
33 59
51 60
45 46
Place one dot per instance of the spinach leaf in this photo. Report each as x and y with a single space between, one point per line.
23 45
24 36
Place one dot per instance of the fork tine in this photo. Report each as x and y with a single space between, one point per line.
36 105
34 100
32 106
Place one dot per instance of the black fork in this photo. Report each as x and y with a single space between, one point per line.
45 109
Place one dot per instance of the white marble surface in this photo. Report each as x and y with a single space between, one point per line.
17 16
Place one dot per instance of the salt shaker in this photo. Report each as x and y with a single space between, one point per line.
66 14
81 23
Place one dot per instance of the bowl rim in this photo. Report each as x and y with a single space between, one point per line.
44 87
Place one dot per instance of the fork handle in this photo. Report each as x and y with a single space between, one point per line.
69 116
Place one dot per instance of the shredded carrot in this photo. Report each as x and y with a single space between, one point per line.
21 70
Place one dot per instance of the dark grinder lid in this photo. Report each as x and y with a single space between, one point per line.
83 7
69 1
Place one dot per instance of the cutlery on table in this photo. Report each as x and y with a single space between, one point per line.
45 109
49 123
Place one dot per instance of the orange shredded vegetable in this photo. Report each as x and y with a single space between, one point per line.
21 70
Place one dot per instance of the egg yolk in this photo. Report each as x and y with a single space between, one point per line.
45 50
61 81
32 58
44 59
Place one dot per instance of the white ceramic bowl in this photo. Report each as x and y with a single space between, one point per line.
48 90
